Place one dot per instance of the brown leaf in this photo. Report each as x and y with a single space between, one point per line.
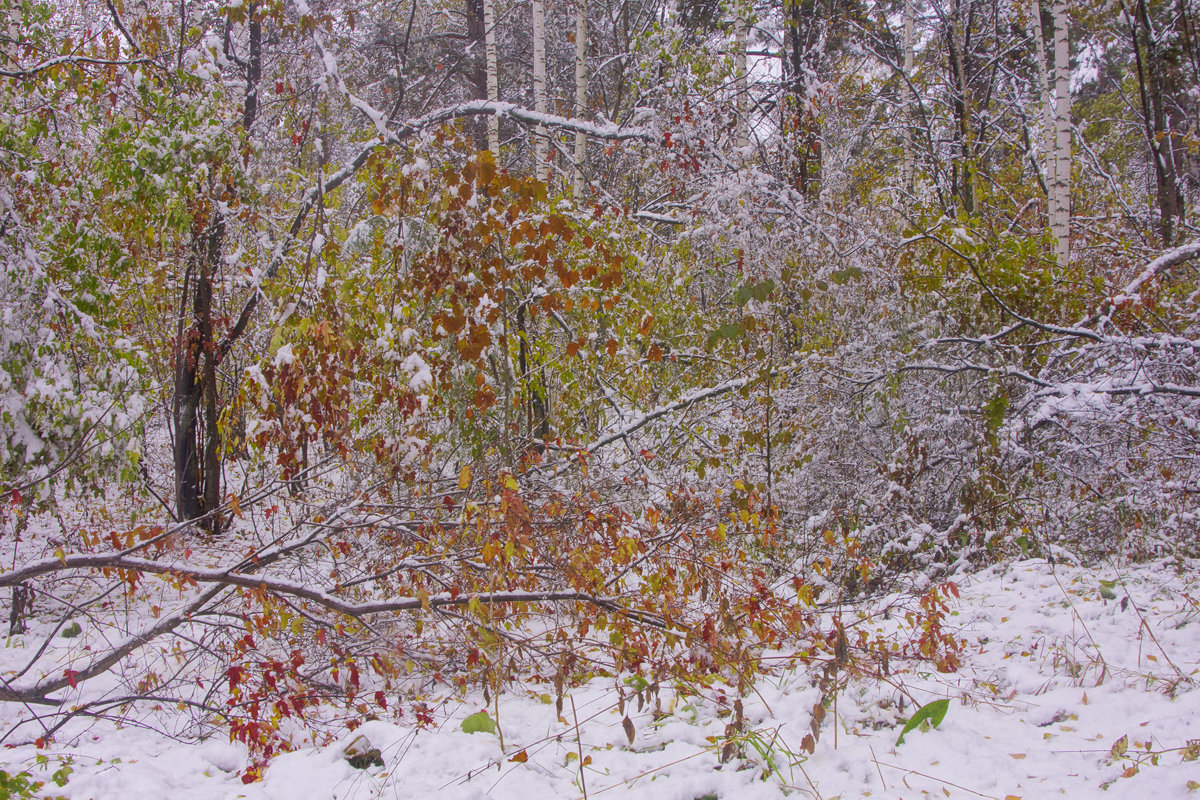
520 758
808 744
627 724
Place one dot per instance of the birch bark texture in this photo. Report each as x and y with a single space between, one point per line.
581 88
1060 191
909 60
1044 80
741 82
541 164
493 73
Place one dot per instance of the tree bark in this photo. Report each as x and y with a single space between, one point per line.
1060 184
1159 137
197 457
541 164
581 87
802 23
493 73
909 62
1043 81
958 46
741 81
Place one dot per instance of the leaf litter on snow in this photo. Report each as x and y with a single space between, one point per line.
1074 682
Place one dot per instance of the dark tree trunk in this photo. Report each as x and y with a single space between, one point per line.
1163 138
803 21
197 452
477 71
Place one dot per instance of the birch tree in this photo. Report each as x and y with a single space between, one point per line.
581 90
541 164
741 79
493 73
909 63
1060 179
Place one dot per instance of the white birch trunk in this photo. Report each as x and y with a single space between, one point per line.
581 85
741 83
541 166
909 59
1060 194
1044 81
493 74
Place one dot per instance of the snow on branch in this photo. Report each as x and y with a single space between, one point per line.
476 108
218 579
29 72
691 398
1166 261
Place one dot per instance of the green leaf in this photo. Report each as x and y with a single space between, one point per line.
72 630
479 722
731 330
754 291
934 712
846 275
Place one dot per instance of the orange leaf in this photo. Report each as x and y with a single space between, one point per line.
612 347
520 758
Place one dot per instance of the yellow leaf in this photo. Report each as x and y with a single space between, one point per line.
464 478
1017 756
510 483
1119 747
60 555
423 596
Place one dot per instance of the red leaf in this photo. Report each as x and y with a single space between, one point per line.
70 675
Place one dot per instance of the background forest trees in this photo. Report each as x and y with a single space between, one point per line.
489 339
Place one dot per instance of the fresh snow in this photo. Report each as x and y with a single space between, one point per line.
1053 677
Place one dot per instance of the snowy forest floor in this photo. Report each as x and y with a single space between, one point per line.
1075 682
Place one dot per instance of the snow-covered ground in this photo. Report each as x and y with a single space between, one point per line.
1069 687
